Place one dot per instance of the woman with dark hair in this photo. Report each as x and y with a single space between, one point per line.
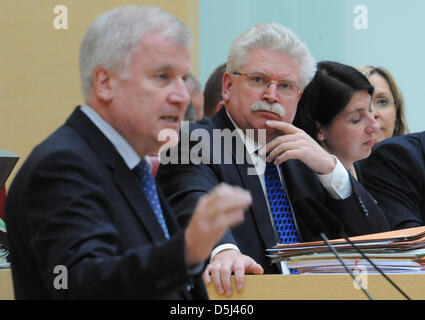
335 109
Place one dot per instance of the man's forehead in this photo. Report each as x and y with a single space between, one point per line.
164 54
157 39
169 67
272 62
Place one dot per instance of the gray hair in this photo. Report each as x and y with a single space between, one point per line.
113 38
272 36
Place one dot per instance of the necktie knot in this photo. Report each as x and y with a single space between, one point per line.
143 170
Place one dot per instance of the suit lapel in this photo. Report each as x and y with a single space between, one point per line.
252 183
130 189
422 139
122 175
173 226
259 205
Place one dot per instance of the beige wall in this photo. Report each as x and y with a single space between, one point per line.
39 79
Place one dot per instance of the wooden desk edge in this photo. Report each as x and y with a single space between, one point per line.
323 287
6 285
297 287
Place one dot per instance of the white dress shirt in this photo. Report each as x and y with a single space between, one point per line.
125 150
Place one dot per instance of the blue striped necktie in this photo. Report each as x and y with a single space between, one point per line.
147 183
280 206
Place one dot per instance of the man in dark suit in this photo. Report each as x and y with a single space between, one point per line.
302 190
395 175
84 217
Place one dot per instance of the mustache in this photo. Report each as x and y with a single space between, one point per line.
265 106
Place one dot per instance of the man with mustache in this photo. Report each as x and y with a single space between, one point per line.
302 192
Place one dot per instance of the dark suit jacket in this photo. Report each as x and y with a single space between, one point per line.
314 210
75 203
395 175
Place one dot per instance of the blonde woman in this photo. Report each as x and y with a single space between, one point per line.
388 102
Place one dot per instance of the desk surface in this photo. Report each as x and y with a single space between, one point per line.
6 285
298 287
324 287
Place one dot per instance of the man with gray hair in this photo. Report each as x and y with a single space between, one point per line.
303 190
85 218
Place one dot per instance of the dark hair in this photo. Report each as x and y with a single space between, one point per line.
327 94
212 91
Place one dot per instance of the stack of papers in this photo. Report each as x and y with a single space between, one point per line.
3 258
401 251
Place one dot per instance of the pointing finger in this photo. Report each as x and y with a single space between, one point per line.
285 127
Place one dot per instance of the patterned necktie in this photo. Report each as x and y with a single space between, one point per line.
279 205
147 183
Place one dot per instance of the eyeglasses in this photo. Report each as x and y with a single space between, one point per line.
284 87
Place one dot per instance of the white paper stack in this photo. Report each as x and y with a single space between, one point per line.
401 251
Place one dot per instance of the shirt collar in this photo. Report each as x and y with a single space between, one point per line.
126 151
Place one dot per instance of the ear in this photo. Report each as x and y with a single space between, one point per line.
102 88
320 132
226 83
299 96
218 106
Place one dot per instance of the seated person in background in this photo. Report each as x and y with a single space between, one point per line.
212 92
302 192
196 99
85 199
388 102
395 175
190 114
335 110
